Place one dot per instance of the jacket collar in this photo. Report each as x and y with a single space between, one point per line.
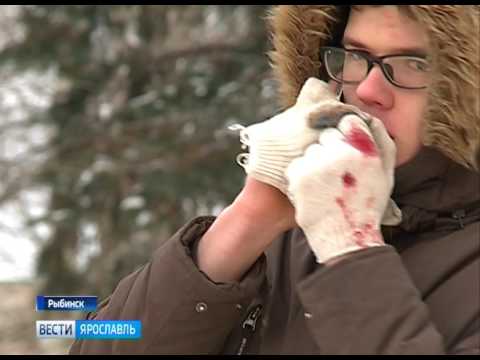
430 187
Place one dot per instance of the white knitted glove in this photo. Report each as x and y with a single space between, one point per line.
341 186
274 143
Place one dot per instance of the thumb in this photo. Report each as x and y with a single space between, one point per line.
385 144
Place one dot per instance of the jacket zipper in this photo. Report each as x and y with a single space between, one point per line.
249 325
459 215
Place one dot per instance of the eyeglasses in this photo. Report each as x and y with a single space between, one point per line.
353 66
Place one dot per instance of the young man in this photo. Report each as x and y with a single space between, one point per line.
340 271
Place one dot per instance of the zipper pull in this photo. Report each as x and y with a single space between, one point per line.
250 322
249 326
459 215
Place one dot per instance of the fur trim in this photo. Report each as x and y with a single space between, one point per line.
452 116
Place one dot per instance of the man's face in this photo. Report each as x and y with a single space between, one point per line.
383 31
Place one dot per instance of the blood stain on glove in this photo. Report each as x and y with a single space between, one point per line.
348 180
346 212
360 233
362 142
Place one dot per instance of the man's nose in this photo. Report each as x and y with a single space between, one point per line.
375 90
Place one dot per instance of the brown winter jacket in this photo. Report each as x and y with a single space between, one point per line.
420 294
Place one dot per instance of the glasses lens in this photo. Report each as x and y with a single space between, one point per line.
333 60
407 71
355 67
345 66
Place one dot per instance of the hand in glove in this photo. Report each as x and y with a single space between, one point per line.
274 143
341 186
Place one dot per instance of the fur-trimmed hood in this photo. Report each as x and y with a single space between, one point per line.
452 115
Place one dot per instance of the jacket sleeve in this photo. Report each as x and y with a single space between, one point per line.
181 310
369 305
